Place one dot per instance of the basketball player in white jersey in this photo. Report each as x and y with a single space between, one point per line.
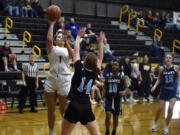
58 81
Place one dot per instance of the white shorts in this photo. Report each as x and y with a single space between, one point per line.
58 83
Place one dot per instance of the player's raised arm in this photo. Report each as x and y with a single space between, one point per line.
77 44
158 80
100 50
68 46
49 43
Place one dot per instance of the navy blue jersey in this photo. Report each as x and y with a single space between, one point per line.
169 81
169 78
113 84
81 83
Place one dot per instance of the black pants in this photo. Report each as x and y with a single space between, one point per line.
28 91
145 88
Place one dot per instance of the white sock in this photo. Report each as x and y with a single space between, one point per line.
15 67
131 97
6 68
51 132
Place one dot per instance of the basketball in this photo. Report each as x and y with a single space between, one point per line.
53 13
13 56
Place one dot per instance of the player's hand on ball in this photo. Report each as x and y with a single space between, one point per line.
81 31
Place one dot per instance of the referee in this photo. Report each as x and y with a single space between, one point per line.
30 78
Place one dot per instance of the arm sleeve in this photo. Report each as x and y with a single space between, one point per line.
141 67
10 51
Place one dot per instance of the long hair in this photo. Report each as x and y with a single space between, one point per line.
90 62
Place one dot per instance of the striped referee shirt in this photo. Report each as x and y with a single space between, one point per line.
30 70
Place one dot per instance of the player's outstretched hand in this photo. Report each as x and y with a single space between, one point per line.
81 31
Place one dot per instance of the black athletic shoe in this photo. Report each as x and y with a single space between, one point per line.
107 132
21 111
34 111
114 132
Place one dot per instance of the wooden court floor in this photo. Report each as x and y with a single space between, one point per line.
136 120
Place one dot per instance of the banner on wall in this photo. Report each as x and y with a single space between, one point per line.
176 18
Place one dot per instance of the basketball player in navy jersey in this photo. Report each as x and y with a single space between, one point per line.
112 101
79 107
169 78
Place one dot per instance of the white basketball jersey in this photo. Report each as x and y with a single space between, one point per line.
59 60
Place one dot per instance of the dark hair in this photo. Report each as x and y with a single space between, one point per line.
90 62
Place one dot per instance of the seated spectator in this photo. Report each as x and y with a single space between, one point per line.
108 68
86 47
162 22
7 56
28 8
157 19
107 51
150 18
61 23
22 8
168 18
90 34
70 38
10 6
73 26
37 9
157 48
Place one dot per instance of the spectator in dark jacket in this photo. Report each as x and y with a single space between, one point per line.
74 27
10 6
157 47
37 9
7 55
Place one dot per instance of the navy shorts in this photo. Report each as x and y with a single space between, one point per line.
113 104
79 112
166 95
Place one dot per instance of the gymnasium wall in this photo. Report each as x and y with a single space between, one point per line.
108 8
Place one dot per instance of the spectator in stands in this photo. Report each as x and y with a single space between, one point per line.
157 19
10 6
168 18
86 47
8 56
140 15
108 67
73 26
150 18
22 8
61 23
162 22
107 51
30 78
136 75
89 33
37 9
145 70
28 8
157 47
128 82
71 39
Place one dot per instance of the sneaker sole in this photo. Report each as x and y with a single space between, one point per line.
154 130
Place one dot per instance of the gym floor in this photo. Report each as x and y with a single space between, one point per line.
137 119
